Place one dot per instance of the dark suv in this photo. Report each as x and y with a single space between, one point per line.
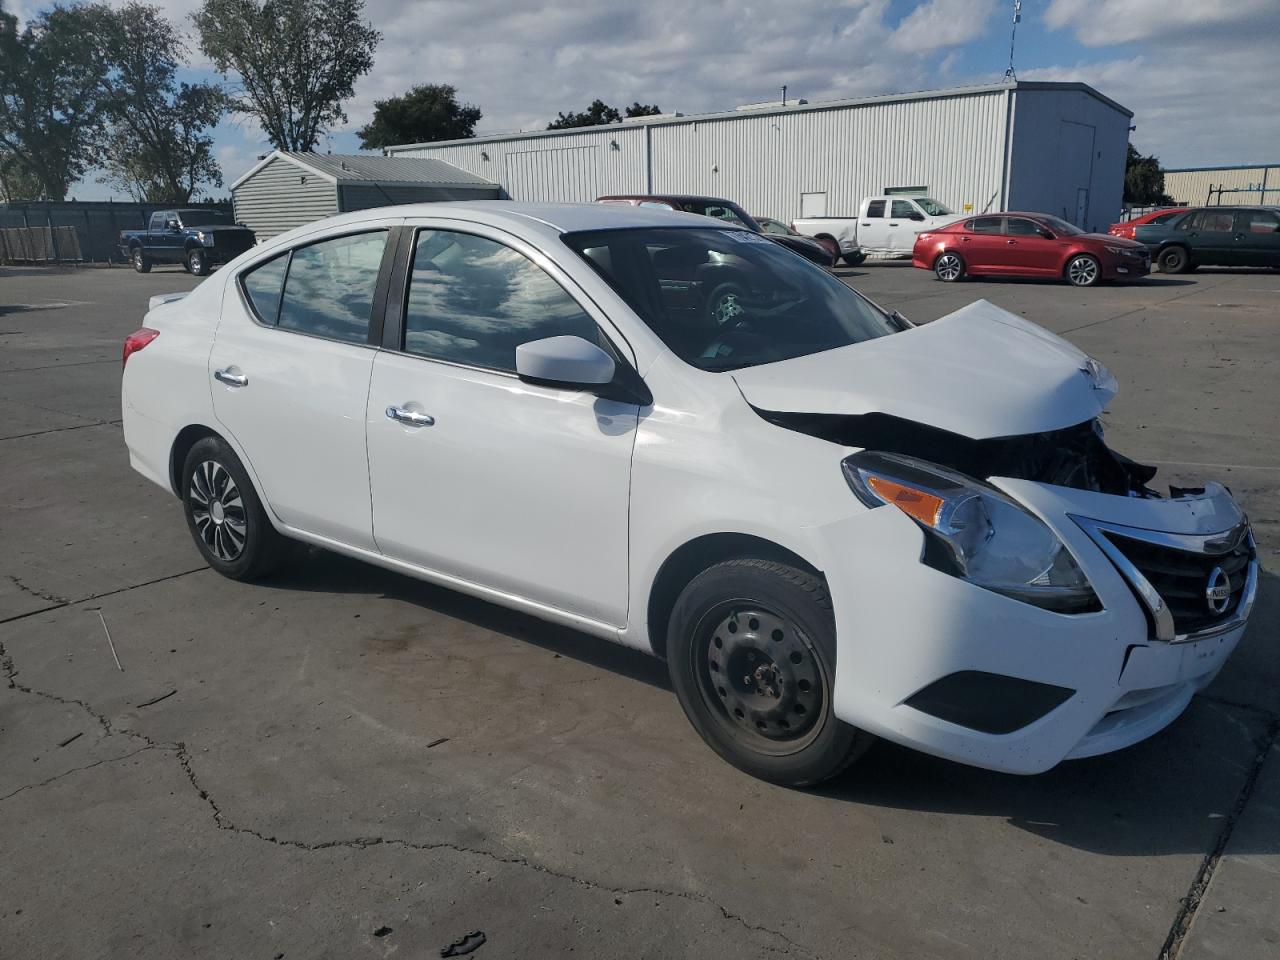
1215 236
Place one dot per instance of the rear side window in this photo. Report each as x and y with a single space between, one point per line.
875 209
1212 221
1163 218
983 225
263 286
473 301
329 288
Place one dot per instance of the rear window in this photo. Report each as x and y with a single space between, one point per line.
727 299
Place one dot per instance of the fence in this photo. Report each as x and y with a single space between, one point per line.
96 224
39 245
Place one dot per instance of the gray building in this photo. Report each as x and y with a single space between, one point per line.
287 190
1214 186
1051 147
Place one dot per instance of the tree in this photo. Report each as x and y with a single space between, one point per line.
430 111
638 109
158 148
599 112
53 93
1144 181
296 60
16 181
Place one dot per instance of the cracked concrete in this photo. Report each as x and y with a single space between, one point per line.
283 801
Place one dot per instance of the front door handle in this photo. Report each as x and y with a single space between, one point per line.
1011 241
412 417
893 224
231 379
964 239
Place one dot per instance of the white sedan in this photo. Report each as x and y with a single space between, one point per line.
832 524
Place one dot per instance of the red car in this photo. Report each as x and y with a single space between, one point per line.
1028 245
1155 216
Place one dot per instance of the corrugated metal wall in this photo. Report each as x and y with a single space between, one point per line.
364 196
282 196
1193 186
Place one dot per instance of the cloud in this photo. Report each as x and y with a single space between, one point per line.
942 23
1106 22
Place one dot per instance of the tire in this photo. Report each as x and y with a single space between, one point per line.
829 244
775 721
197 262
141 262
226 519
853 259
1083 271
948 267
1174 260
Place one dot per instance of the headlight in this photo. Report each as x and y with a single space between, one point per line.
973 531
1122 251
205 238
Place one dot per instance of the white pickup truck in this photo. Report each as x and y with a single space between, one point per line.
884 227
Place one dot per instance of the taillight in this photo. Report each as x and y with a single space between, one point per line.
136 341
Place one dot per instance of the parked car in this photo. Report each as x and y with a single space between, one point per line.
729 212
884 227
197 239
1127 227
832 524
1215 236
776 228
1028 245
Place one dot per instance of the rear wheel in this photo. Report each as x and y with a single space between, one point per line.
1173 260
141 262
752 661
226 519
829 244
949 267
197 262
1083 271
853 259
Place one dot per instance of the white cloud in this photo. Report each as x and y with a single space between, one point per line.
1106 22
942 23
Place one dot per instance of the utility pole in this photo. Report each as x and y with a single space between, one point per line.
1010 75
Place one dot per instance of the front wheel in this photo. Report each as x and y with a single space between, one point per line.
141 262
1083 271
752 661
226 519
197 262
949 267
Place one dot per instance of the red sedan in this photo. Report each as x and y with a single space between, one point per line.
1127 228
1028 245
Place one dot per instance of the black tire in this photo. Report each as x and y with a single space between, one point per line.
1083 270
831 246
1174 260
235 539
949 267
141 262
853 259
774 722
197 262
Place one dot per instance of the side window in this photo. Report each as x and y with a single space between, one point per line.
1213 221
329 288
1190 222
1163 218
875 209
983 225
157 222
474 300
1022 227
1257 221
263 286
660 204
904 209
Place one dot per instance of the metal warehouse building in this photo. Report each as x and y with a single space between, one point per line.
286 190
1215 186
1051 147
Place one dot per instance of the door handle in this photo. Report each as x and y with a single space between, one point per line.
1011 241
411 417
231 379
964 239
893 224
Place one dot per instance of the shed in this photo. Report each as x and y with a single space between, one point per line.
286 190
1053 147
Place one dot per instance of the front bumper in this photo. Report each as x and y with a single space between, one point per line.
902 627
1126 268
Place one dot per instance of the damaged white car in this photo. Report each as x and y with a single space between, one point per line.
832 524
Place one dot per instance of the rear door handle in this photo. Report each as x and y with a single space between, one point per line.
964 239
893 224
1011 241
231 379
412 417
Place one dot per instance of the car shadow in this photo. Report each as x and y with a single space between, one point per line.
1170 794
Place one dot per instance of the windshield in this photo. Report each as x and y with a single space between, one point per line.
1061 227
933 208
726 299
204 218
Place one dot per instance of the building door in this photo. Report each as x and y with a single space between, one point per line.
1075 171
813 205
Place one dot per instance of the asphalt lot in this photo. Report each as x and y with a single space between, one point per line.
349 763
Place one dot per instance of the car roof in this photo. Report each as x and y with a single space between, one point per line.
673 197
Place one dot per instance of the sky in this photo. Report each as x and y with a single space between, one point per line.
1198 74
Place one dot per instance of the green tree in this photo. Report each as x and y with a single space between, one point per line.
1144 180
158 148
16 181
599 112
639 109
429 111
54 92
296 61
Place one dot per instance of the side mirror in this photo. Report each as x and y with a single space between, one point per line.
172 226
1047 234
564 362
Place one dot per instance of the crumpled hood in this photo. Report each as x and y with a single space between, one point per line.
980 372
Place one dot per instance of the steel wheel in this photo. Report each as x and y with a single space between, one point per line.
196 262
140 261
948 267
218 510
1083 271
759 675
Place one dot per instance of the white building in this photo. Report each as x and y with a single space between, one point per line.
1050 147
1215 186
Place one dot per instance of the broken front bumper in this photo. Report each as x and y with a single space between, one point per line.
913 643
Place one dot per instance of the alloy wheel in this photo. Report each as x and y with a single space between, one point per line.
1083 271
218 510
948 267
761 677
